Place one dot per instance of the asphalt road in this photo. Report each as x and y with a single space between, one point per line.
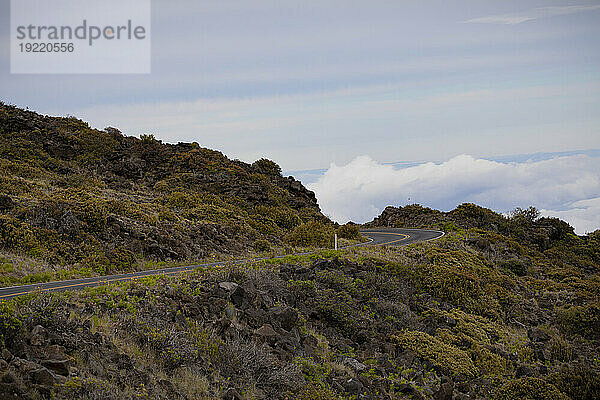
399 236
379 237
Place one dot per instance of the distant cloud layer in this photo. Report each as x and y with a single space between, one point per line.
531 15
566 187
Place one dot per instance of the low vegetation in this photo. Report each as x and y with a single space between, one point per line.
77 201
438 320
501 307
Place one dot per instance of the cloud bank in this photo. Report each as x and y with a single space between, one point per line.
566 187
531 15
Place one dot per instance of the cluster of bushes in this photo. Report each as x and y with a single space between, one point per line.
82 197
311 234
441 317
349 231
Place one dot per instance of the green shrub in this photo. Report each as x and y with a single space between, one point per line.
206 343
530 389
449 226
263 224
262 245
14 235
593 245
9 324
208 212
487 362
339 281
444 356
181 200
284 217
314 392
464 279
469 215
121 259
86 206
340 310
560 348
267 167
476 328
348 231
517 267
312 370
303 288
580 382
583 320
311 234
148 138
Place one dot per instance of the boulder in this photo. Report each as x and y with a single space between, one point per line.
60 367
169 389
266 331
24 366
6 202
228 286
537 335
354 364
38 336
9 377
353 386
238 297
232 394
543 354
445 391
524 370
7 355
285 316
310 345
43 376
11 387
451 322
408 389
230 311
236 293
55 352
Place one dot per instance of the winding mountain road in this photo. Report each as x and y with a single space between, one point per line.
377 236
399 236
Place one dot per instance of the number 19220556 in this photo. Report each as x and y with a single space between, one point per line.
46 47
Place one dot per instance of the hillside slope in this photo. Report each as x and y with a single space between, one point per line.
501 307
76 200
477 314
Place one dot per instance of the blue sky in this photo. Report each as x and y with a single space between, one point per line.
309 84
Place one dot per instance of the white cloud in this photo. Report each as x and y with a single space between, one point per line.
583 214
359 190
531 15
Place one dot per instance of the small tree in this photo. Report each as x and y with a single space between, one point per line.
267 167
112 131
147 138
530 214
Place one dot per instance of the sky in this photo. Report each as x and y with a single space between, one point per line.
333 86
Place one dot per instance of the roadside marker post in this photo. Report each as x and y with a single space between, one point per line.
335 240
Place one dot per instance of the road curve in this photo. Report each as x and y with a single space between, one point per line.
379 236
399 236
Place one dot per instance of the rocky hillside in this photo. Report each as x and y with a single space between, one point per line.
501 307
474 315
477 314
76 200
524 225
